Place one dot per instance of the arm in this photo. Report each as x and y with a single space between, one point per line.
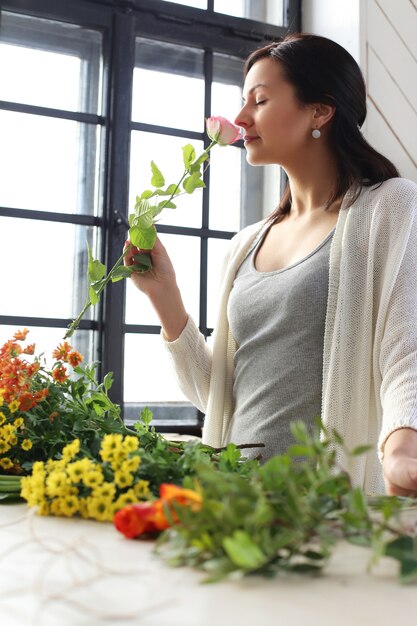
400 463
189 353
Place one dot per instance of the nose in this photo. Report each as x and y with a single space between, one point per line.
241 118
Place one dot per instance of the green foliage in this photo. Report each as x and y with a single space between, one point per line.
165 461
142 233
285 515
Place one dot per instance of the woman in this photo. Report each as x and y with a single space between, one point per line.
318 306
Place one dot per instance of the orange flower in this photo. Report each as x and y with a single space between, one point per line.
30 349
74 358
53 415
184 497
62 351
137 519
20 335
146 517
59 374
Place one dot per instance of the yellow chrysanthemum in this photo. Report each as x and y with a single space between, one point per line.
4 446
57 484
44 508
141 489
26 444
38 469
78 469
130 465
13 440
6 463
123 500
19 421
83 507
69 505
130 443
7 431
110 445
100 509
2 417
105 490
71 450
93 477
123 479
13 406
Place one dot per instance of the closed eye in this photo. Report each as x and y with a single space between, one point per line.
260 102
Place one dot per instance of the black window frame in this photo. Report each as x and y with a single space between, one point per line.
121 22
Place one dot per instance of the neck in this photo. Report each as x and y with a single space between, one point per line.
312 181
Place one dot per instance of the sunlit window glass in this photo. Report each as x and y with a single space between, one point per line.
168 86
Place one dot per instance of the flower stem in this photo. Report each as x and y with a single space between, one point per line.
74 325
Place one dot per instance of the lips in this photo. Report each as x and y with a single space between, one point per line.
250 138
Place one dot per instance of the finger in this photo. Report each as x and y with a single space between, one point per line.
129 251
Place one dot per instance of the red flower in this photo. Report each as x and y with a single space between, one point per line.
146 517
74 358
59 374
137 519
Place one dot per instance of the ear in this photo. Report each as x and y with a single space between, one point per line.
322 113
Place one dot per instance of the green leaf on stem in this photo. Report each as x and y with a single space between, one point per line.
95 270
163 205
193 182
93 296
143 238
188 155
243 551
120 272
143 262
157 178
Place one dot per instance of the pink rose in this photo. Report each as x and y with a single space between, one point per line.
221 130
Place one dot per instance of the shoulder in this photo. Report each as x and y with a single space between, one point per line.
247 235
395 192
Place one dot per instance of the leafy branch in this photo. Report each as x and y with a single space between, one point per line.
142 234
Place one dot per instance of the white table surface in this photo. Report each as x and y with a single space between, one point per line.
72 572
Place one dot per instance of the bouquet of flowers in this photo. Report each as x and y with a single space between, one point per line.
42 408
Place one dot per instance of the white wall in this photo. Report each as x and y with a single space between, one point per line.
382 37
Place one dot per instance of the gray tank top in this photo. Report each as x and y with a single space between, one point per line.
277 319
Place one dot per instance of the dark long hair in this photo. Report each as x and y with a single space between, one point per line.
321 71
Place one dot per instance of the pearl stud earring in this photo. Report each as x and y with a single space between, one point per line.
316 133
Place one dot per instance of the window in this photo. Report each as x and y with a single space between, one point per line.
90 92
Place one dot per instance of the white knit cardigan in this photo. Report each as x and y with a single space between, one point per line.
370 339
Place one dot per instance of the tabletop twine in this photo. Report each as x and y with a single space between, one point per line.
68 550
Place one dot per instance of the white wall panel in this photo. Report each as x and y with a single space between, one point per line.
382 36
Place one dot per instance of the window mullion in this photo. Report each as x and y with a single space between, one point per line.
118 146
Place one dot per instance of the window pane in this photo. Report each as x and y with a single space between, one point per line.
198 4
47 264
269 11
48 164
168 86
225 188
217 249
184 252
50 64
47 339
148 376
166 152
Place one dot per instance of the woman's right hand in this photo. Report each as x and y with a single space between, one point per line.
158 279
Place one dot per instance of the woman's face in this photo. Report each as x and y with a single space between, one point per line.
276 127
